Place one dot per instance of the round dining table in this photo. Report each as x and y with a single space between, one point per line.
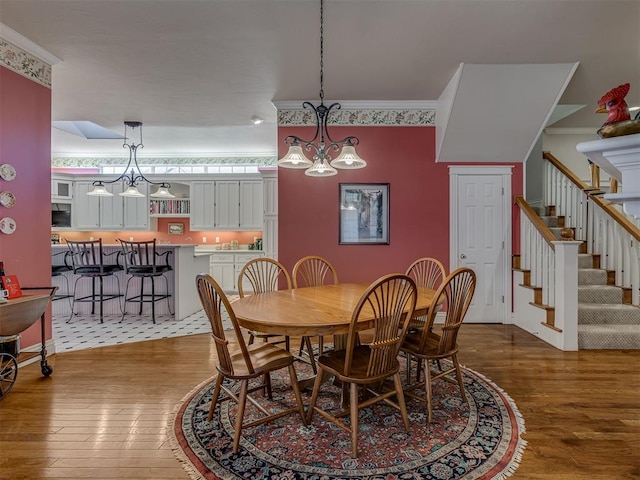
311 311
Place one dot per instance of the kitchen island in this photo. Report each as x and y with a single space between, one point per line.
184 298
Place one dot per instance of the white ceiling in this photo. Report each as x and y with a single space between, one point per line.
195 71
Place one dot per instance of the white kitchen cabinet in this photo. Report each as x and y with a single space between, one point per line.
136 210
225 268
109 213
251 205
270 186
227 205
223 271
61 189
202 205
86 209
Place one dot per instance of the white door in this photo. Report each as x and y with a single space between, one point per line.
480 237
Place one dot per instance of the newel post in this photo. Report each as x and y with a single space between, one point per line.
566 308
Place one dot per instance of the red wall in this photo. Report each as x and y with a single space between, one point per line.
25 143
404 157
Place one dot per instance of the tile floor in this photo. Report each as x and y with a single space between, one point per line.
86 331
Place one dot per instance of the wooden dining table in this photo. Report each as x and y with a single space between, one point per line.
311 311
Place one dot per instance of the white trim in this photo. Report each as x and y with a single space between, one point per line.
506 173
364 104
10 35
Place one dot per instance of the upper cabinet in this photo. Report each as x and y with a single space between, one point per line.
109 213
61 189
216 204
202 201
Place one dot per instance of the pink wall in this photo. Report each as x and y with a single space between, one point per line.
404 157
25 143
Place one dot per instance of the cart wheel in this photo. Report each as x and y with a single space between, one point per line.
8 373
47 370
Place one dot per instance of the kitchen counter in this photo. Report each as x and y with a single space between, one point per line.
186 265
211 250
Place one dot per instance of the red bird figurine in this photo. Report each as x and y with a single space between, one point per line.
613 103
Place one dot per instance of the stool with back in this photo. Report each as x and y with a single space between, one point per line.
141 260
88 261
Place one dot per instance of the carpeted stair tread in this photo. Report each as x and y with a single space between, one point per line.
556 232
609 337
608 314
585 260
599 294
550 221
592 276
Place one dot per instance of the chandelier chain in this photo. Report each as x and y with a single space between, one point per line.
321 51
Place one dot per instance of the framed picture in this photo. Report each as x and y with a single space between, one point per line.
364 214
176 229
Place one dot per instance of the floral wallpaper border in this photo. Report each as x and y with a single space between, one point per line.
361 117
65 162
24 63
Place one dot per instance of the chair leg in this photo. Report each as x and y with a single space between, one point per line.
93 295
459 376
214 398
428 392
126 292
314 396
401 403
73 304
296 391
101 299
141 294
242 402
153 299
354 419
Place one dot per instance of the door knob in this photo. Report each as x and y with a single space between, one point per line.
462 255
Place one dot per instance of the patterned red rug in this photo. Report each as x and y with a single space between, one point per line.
478 440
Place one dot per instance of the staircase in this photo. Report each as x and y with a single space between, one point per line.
606 318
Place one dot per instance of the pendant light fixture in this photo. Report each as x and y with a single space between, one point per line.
131 178
321 144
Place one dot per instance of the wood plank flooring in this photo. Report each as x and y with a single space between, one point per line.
103 412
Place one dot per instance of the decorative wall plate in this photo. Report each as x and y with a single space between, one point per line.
7 225
7 199
7 172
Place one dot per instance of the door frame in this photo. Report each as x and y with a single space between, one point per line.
505 171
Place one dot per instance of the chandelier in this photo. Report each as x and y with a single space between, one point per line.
130 177
322 145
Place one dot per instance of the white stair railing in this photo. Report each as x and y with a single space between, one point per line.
605 228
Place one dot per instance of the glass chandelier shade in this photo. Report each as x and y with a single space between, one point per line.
130 177
322 165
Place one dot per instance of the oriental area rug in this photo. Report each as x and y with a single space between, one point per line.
480 439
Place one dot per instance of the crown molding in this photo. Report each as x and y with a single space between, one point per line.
362 113
21 55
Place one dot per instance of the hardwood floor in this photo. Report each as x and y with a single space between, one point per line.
103 412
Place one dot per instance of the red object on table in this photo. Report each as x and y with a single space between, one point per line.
11 285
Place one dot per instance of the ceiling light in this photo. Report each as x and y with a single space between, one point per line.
131 178
322 165
256 120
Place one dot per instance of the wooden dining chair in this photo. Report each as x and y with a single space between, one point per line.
313 271
457 289
390 302
244 364
427 272
263 275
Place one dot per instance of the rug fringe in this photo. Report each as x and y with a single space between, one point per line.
177 450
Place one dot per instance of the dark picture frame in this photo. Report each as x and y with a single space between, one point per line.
364 214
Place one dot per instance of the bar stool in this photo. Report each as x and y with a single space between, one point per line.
59 271
141 261
88 261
